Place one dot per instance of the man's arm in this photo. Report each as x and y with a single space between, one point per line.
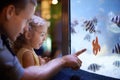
43 72
46 71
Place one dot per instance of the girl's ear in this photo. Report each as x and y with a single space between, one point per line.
10 11
28 35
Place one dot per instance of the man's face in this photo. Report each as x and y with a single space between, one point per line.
15 25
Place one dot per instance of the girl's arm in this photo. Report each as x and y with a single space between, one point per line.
27 59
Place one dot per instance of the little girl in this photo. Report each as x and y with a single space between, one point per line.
31 39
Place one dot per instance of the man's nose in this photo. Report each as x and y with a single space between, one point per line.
26 28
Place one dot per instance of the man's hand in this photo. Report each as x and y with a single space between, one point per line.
73 61
80 52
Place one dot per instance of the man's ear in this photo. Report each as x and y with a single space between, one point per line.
10 11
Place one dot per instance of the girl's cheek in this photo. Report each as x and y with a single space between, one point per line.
40 39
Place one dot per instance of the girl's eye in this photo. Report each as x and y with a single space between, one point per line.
42 34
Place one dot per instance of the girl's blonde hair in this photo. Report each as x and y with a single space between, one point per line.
34 22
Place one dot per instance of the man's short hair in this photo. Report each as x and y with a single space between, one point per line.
19 4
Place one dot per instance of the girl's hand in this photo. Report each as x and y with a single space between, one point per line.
43 60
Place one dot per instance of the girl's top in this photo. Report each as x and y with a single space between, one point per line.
21 52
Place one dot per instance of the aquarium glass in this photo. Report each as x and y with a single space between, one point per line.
95 25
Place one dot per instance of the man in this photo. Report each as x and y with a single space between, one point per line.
14 15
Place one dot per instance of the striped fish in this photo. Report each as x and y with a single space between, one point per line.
90 25
116 20
116 48
94 67
116 63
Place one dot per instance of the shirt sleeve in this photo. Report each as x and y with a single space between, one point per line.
9 65
14 70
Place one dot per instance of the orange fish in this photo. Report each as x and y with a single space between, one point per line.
96 46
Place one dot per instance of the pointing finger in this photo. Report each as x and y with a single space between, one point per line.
80 52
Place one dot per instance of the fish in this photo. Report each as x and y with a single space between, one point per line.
94 67
116 63
87 37
89 25
73 30
113 23
96 46
116 48
73 25
116 20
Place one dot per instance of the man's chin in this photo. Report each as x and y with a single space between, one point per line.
12 38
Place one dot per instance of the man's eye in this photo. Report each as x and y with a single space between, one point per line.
28 21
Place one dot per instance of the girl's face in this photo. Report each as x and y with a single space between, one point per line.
38 37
